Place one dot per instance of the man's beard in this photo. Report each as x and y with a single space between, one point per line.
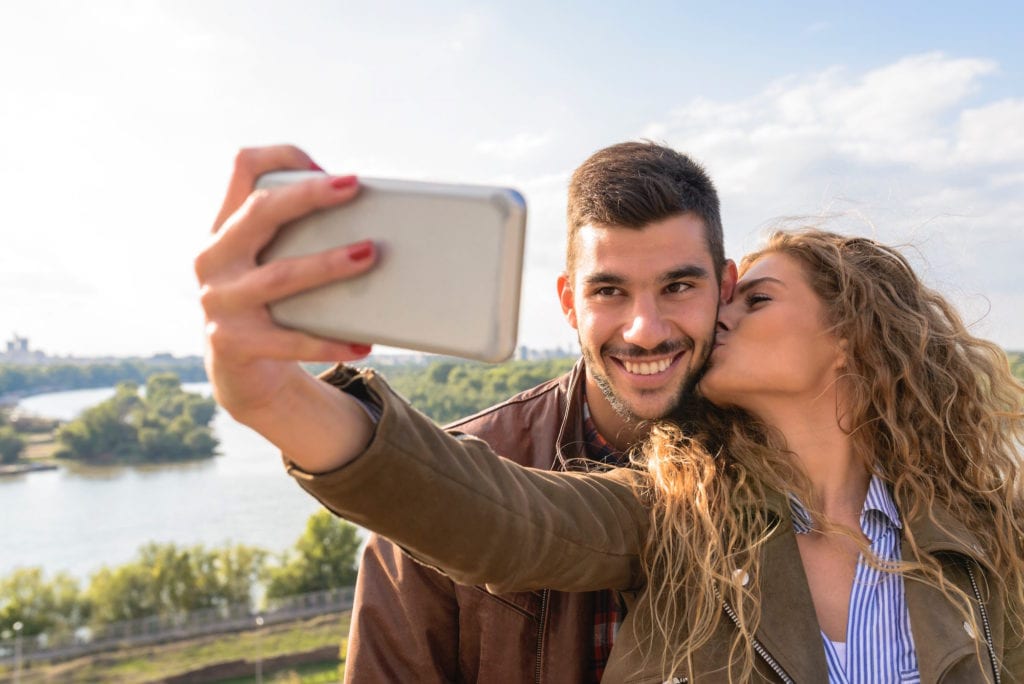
686 387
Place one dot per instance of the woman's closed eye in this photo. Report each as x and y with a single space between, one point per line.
755 298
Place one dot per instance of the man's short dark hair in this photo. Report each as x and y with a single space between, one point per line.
633 184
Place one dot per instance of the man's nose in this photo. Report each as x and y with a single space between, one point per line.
647 326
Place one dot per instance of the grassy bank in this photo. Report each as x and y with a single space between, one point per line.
154 663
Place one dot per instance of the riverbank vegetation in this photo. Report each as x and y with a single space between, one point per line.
163 425
450 389
168 579
19 380
1017 364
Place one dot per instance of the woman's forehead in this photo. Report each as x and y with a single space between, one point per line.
772 264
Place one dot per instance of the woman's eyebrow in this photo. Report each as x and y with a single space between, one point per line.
747 284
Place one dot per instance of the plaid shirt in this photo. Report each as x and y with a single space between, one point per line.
608 614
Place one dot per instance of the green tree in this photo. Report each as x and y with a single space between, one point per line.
324 557
167 424
12 445
104 432
121 593
40 605
165 579
447 390
1017 364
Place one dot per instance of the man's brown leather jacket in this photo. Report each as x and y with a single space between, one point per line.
413 624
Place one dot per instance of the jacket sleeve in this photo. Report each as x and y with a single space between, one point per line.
455 505
404 623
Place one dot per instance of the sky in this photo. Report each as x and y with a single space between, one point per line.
119 122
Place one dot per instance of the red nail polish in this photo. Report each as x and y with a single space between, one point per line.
313 166
361 349
361 251
342 182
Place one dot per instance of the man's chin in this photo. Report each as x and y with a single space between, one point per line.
641 408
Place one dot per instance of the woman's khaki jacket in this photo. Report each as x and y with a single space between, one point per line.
452 504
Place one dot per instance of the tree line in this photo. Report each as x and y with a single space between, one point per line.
167 579
450 389
21 379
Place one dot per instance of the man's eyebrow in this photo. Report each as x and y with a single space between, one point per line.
747 284
681 273
686 272
603 278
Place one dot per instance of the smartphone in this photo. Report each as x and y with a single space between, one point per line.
448 276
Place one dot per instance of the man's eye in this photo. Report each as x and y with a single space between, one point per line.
607 291
678 287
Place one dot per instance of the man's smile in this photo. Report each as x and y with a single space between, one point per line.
647 366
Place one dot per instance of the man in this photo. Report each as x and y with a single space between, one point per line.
645 272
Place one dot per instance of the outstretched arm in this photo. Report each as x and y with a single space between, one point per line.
455 505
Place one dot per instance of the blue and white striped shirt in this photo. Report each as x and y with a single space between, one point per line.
879 645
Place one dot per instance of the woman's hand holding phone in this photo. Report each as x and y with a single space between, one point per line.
252 362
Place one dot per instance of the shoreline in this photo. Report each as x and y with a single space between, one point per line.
13 469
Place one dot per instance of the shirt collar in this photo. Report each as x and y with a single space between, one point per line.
878 500
598 448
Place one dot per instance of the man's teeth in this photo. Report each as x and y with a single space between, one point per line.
645 367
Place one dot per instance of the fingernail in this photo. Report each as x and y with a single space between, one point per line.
313 166
342 182
361 251
361 349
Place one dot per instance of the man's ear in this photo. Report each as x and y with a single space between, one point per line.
565 298
841 354
728 284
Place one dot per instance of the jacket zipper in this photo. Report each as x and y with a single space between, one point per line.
542 620
758 647
984 623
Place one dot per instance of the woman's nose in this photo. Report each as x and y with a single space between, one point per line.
727 314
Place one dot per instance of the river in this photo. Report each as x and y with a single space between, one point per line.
77 519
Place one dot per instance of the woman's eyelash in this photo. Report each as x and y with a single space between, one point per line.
756 298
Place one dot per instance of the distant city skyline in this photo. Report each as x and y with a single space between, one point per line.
18 349
119 121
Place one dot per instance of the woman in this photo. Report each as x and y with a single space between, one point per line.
852 511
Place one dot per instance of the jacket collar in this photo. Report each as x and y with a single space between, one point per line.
570 442
937 531
789 625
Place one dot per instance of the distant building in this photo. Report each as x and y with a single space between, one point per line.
524 353
18 351
17 345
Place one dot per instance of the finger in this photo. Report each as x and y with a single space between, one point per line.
251 227
276 343
279 279
250 164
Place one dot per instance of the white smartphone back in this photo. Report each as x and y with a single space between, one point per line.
448 276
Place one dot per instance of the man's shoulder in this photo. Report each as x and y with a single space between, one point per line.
524 403
526 427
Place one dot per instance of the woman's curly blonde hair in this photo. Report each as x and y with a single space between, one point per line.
933 411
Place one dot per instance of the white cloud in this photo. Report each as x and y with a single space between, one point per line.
909 152
517 147
992 134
